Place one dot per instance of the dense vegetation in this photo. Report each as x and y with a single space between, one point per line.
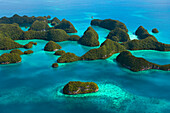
118 35
7 43
77 87
68 57
12 31
155 30
66 26
34 35
34 43
52 46
133 63
39 26
21 20
109 24
55 65
90 38
149 43
59 52
57 35
55 21
165 67
17 51
28 46
74 38
28 52
107 49
142 33
8 58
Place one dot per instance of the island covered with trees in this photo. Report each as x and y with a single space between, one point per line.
117 41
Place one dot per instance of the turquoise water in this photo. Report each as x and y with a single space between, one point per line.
34 86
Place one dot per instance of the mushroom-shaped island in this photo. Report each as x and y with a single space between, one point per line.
90 38
118 35
8 58
55 65
77 87
39 26
109 24
66 26
135 64
52 46
68 57
155 30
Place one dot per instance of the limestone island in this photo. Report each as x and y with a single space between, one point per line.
146 42
118 35
52 46
109 24
17 51
155 30
10 30
77 87
127 60
28 52
55 65
90 38
107 49
68 57
66 26
39 26
8 58
59 52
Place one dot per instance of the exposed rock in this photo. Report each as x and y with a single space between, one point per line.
142 33
39 26
74 38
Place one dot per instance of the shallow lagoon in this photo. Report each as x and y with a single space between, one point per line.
33 86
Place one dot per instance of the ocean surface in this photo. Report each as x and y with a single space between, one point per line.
33 86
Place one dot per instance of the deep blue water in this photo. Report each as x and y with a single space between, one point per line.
33 86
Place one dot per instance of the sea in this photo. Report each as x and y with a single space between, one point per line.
33 86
